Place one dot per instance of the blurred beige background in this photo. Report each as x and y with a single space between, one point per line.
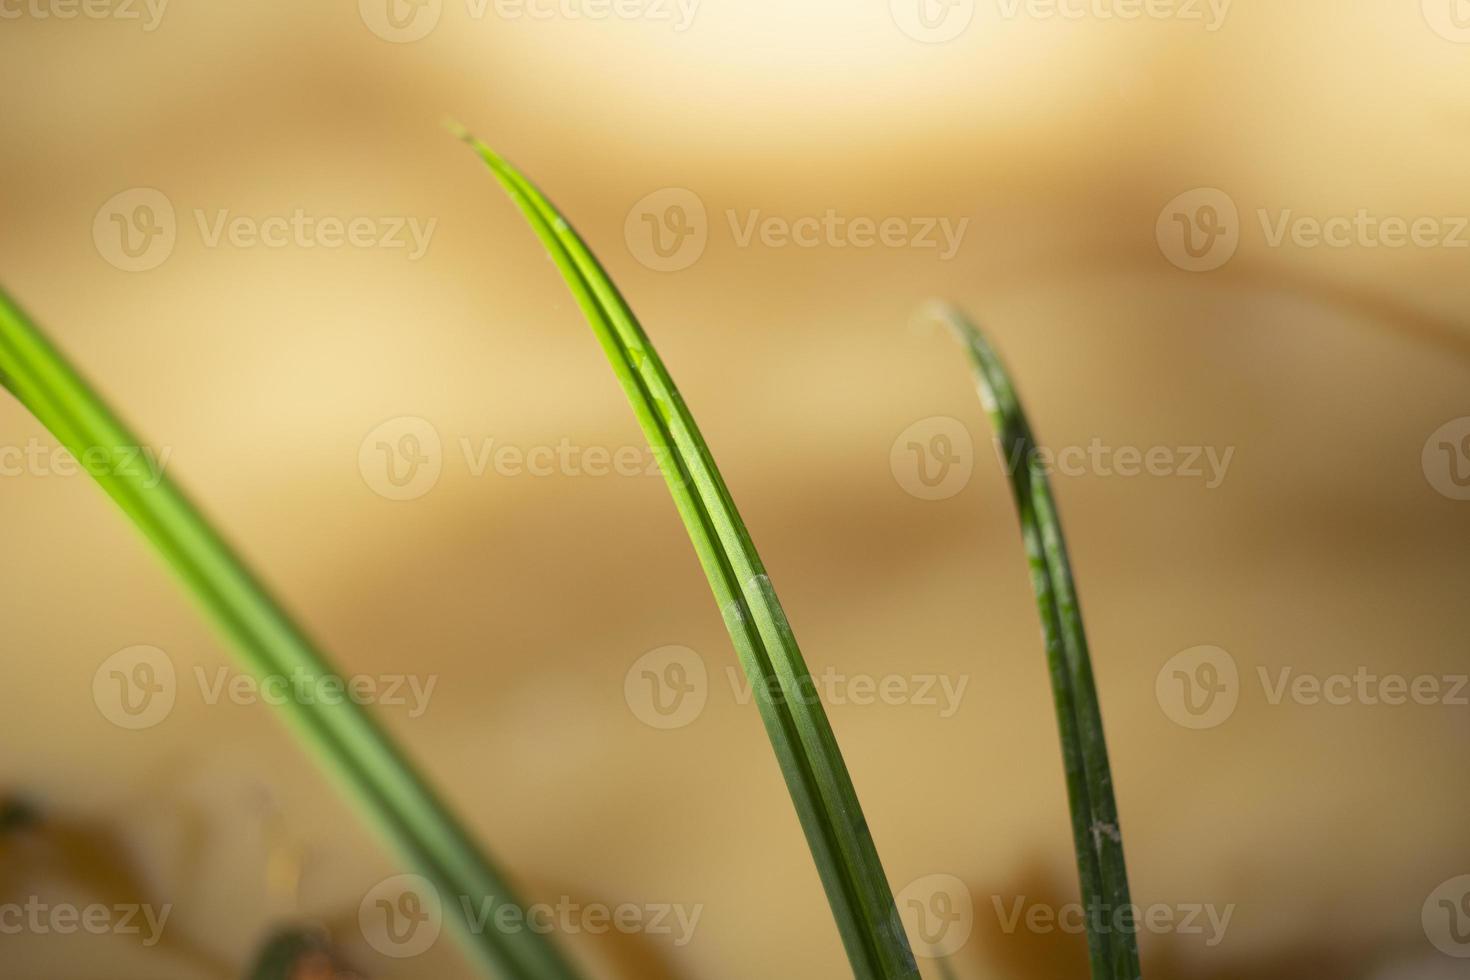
1326 548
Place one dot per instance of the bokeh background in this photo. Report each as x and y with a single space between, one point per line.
1332 544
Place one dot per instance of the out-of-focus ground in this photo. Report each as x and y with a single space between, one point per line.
1331 835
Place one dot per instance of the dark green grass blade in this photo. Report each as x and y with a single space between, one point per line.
351 744
1095 829
805 747
285 952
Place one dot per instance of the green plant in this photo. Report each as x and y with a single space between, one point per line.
291 953
355 750
1096 835
358 753
773 662
866 918
795 721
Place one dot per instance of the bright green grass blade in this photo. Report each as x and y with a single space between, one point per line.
806 749
351 744
1095 830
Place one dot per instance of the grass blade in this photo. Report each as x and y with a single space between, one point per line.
1111 933
292 953
805 747
351 744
